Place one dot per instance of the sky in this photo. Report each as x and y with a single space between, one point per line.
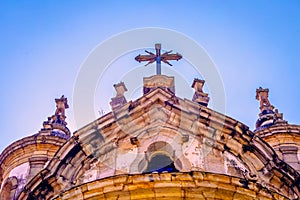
44 45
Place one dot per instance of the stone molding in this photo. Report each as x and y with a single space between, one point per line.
22 150
189 185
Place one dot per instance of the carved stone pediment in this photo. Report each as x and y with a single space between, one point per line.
159 81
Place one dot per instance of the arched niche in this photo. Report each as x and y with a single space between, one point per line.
160 162
159 157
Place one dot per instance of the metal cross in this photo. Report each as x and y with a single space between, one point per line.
158 57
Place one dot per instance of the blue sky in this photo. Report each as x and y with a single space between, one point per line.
44 43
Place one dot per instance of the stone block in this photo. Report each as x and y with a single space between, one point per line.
209 193
169 184
120 179
93 194
166 176
174 192
224 194
188 184
192 193
100 184
246 192
234 146
140 178
140 185
73 194
239 196
142 193
182 177
205 184
236 181
256 162
199 176
112 188
276 182
217 178
227 186
117 196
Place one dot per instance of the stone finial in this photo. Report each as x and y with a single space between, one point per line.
56 124
61 105
199 96
198 85
120 89
267 116
119 99
262 95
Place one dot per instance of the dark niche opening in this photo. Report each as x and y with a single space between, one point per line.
160 163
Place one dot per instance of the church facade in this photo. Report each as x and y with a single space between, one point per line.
159 146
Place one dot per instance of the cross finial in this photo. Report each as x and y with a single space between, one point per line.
158 57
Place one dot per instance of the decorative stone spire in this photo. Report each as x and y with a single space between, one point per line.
119 99
267 116
56 124
199 96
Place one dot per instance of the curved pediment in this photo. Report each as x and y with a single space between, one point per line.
192 137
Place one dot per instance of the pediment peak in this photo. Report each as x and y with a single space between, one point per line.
159 81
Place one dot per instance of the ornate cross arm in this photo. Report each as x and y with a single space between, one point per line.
166 56
150 58
158 57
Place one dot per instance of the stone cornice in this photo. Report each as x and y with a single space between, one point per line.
189 185
279 129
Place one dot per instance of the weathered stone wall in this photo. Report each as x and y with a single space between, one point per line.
193 136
